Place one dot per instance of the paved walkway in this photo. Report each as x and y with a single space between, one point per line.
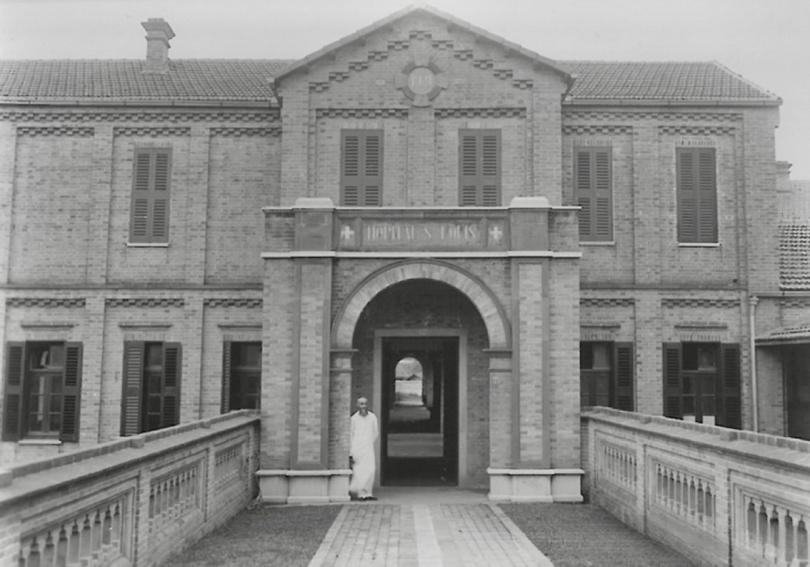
434 528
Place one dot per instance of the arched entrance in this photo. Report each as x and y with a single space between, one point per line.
444 320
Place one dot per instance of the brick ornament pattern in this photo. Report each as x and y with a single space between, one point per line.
45 302
151 131
687 130
145 302
239 131
462 54
77 131
590 129
701 303
269 115
607 116
496 112
400 113
249 302
607 301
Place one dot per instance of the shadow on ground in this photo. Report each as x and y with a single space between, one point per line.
583 535
283 536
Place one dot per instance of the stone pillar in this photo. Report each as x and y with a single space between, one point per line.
340 402
502 413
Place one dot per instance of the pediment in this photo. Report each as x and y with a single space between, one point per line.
420 84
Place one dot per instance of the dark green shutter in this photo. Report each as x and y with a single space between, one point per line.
12 399
479 168
361 168
697 195
172 364
672 380
593 192
624 364
730 411
71 396
226 377
132 388
149 220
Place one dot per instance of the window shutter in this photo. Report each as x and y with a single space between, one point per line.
372 166
697 195
12 402
623 356
132 388
672 380
479 168
593 189
172 363
226 377
730 398
71 394
149 220
707 195
361 168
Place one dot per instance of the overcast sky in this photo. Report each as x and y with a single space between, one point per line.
766 41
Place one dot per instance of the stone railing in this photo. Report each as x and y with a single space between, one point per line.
130 502
720 496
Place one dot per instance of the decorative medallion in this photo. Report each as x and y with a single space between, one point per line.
421 82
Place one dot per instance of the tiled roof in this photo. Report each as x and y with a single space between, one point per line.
695 81
189 80
794 256
797 333
241 80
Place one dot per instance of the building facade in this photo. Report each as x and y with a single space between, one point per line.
184 238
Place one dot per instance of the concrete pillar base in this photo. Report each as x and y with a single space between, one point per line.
281 486
535 485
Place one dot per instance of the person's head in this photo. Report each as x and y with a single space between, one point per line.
362 405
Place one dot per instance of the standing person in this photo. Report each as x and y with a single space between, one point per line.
364 432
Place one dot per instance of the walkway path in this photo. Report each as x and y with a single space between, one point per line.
437 529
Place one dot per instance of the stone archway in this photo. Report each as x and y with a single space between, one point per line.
488 306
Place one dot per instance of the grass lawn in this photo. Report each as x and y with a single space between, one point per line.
583 535
286 536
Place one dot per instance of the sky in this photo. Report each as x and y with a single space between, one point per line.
766 41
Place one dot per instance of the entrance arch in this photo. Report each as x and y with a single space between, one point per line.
482 298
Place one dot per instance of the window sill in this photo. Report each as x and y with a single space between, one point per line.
147 244
598 243
698 245
39 441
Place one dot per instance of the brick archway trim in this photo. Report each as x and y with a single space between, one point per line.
481 296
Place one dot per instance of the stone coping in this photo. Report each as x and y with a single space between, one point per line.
37 477
745 445
534 472
309 472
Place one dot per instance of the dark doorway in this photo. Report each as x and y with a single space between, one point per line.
419 422
797 390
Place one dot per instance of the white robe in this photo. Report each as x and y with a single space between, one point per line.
364 432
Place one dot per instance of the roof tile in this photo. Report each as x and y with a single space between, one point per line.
794 256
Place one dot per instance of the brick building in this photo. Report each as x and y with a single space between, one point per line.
475 237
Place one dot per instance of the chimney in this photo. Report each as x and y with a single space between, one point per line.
158 34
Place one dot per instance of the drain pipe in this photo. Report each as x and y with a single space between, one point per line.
752 319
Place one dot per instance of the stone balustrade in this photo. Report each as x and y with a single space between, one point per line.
717 495
129 502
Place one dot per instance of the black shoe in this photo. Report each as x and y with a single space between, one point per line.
371 498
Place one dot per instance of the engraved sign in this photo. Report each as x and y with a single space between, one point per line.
421 80
422 234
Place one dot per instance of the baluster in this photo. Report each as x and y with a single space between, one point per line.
85 539
62 548
790 539
801 543
33 554
116 526
762 528
73 544
97 533
701 507
751 524
49 551
773 534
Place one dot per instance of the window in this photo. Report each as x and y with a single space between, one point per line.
593 189
361 168
241 376
480 168
606 374
697 195
151 397
149 221
42 390
702 383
